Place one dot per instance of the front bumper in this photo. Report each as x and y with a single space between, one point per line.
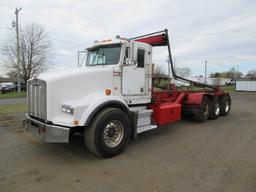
46 132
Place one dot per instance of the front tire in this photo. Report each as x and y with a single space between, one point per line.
109 133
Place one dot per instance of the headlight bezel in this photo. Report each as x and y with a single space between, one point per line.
67 109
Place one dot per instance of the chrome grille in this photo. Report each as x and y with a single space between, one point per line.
37 98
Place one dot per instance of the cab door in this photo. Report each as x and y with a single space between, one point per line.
133 73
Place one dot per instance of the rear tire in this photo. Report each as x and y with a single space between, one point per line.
214 109
203 111
225 105
109 133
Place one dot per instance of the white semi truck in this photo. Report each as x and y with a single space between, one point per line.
112 99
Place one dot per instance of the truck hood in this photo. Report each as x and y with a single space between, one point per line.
68 73
71 85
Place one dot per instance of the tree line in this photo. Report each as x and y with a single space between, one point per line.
234 74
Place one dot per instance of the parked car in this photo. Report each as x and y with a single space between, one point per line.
7 87
23 87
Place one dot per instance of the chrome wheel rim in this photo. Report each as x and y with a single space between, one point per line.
205 108
113 133
217 110
227 106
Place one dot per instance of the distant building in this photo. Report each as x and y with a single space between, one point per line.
245 85
214 81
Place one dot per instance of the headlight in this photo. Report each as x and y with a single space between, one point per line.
67 109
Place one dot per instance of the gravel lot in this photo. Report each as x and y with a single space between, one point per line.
218 155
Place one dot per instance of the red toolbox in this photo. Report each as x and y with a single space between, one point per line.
164 113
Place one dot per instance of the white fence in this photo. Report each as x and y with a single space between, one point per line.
246 85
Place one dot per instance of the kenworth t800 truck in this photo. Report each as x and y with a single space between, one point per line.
112 99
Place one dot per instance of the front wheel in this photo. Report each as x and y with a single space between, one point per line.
109 133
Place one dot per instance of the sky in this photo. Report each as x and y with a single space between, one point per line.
223 32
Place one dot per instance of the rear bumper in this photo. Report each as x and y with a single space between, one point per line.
46 132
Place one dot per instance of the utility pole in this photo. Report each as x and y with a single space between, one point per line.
78 59
205 72
18 46
237 68
237 72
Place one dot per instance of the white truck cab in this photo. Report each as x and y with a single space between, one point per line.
106 100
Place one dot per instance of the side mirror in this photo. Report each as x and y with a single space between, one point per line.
134 53
127 61
134 64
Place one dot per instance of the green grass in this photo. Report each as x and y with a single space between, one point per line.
12 108
229 88
13 95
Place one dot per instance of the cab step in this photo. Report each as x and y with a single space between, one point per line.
145 128
144 119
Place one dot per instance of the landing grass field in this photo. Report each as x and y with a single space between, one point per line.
12 108
227 88
11 95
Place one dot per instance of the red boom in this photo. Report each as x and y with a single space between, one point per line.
156 40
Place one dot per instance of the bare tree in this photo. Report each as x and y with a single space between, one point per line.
35 52
232 73
216 75
158 70
251 74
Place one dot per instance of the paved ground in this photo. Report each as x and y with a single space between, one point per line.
215 156
13 101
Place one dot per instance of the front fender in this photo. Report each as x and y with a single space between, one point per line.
87 107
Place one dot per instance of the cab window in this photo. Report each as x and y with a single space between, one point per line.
141 58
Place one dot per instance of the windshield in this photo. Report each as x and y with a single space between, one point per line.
104 55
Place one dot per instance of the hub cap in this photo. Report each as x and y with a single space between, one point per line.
113 133
217 110
227 106
205 108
